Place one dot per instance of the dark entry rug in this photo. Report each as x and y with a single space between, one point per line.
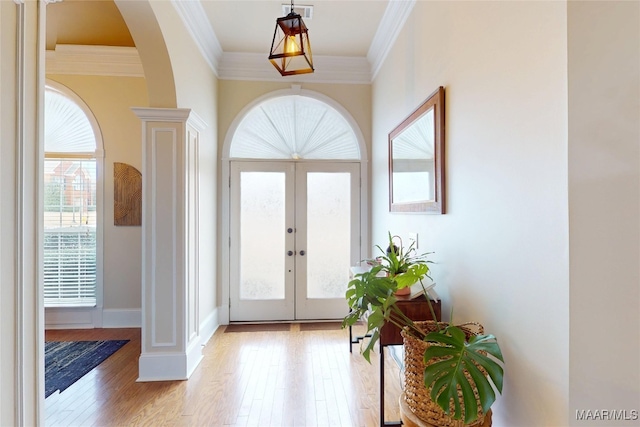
258 327
321 326
65 362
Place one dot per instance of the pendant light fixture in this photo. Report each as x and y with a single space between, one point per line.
290 48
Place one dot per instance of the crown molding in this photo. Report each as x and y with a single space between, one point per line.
390 25
195 20
94 61
329 69
125 61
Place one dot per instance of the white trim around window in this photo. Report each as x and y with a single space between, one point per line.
83 317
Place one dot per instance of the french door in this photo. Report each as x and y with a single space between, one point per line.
294 233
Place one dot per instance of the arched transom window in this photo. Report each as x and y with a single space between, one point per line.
294 127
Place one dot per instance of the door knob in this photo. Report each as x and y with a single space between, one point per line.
289 230
302 253
290 253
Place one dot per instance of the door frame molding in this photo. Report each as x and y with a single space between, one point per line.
224 231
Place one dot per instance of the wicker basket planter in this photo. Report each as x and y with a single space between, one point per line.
416 395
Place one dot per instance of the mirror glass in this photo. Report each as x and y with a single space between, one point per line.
413 162
416 167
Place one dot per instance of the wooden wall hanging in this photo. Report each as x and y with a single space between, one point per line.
127 195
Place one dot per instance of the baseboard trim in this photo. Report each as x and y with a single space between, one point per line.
162 367
174 366
72 317
122 318
194 356
85 318
209 327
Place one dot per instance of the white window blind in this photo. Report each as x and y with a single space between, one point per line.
294 127
70 232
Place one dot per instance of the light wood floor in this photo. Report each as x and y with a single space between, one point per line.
245 379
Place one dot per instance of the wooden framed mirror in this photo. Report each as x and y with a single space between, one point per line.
416 159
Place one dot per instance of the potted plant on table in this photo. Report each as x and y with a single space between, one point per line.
461 366
405 267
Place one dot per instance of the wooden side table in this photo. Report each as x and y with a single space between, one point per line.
415 309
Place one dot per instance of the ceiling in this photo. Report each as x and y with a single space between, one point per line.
237 33
340 28
86 22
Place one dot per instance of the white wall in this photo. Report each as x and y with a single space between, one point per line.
501 250
604 208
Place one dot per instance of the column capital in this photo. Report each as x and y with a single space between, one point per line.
162 114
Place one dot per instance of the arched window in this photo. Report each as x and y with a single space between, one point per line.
294 127
71 208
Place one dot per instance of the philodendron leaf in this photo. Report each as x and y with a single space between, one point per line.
446 362
370 296
415 273
350 319
375 336
375 320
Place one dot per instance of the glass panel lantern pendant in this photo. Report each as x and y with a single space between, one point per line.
290 48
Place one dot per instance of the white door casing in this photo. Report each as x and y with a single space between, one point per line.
225 231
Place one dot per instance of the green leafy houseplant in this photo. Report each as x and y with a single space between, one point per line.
453 364
402 265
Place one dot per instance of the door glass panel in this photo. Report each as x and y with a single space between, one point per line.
328 234
262 241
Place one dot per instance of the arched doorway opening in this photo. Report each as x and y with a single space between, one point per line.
293 211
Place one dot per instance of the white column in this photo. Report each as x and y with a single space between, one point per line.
171 347
21 303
